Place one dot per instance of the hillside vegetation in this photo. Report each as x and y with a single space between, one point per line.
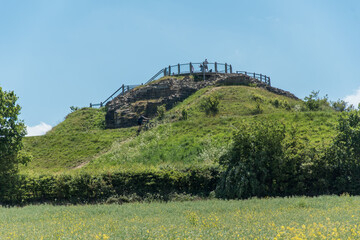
80 142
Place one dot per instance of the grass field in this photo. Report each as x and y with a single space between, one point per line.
326 217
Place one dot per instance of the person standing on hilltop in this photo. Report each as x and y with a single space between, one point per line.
205 64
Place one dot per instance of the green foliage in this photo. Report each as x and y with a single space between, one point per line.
280 103
264 162
258 109
184 114
343 156
257 98
73 108
314 103
161 111
339 105
276 102
121 186
12 130
210 105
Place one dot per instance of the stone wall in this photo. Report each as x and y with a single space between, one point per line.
124 110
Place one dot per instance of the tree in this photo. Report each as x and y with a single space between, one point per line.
254 162
12 130
343 156
267 160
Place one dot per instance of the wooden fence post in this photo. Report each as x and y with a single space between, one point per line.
216 67
128 88
164 72
190 67
225 67
178 68
254 75
169 70
230 68
260 77
123 89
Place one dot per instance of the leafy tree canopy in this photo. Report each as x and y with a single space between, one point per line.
12 130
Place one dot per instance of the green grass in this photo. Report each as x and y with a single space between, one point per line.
200 140
78 139
326 217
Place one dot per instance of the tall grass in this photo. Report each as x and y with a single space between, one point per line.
327 217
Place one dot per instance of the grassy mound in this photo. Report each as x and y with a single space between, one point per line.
74 142
80 141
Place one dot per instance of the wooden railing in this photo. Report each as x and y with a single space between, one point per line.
185 69
122 90
259 76
191 68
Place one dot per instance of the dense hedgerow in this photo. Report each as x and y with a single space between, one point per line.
86 188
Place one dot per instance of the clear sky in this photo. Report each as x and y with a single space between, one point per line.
61 53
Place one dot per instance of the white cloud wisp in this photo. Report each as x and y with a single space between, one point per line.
353 99
38 130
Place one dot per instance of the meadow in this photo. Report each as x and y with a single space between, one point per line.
325 217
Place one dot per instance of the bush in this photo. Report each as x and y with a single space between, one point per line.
339 105
257 98
184 114
210 105
275 102
263 162
161 111
258 109
314 103
73 108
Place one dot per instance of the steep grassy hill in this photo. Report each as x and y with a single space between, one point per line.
80 142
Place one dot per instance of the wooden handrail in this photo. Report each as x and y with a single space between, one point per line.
189 68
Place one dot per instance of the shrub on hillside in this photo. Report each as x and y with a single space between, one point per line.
264 162
184 114
314 103
257 98
258 109
210 105
161 111
73 108
339 105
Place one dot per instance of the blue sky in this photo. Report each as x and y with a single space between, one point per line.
61 53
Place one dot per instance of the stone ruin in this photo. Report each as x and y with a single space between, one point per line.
124 110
